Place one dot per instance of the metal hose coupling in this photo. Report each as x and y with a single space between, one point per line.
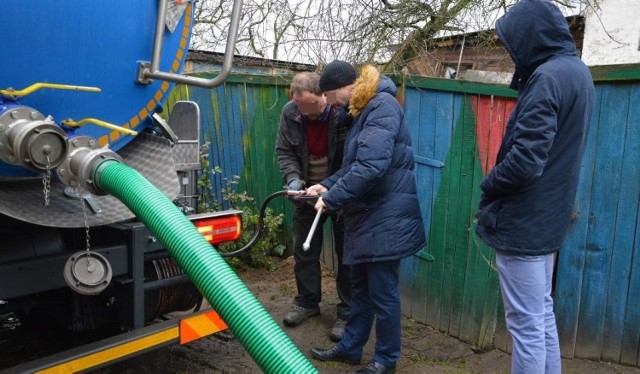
29 139
80 166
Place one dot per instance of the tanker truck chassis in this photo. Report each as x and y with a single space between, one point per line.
82 85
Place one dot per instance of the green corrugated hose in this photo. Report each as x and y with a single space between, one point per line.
252 325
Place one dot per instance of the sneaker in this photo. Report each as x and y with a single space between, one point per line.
297 314
337 330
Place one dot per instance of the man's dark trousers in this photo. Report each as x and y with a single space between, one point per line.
307 263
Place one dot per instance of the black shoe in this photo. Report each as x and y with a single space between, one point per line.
376 368
297 314
333 354
337 330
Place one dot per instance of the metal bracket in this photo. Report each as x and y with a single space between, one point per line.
428 162
147 72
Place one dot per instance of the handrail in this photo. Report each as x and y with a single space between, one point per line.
152 72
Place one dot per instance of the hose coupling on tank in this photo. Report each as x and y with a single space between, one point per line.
29 139
79 167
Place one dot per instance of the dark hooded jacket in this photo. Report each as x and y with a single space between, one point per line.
376 186
527 198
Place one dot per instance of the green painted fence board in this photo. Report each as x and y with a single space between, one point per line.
463 192
624 73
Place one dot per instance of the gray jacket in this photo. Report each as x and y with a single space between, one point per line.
292 145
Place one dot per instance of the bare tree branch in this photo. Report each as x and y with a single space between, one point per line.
391 32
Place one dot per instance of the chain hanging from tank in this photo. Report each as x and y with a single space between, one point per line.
87 272
86 226
46 183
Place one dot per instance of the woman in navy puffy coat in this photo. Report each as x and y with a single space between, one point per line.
376 191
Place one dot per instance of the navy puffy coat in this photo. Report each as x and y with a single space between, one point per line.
376 187
528 196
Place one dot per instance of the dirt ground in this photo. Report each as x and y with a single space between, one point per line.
423 349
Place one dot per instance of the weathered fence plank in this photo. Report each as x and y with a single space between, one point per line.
608 161
570 264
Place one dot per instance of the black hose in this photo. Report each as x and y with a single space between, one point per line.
260 224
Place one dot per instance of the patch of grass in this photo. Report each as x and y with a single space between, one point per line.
285 289
418 357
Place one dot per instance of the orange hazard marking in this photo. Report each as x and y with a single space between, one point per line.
114 135
143 113
199 326
150 105
103 140
135 121
165 86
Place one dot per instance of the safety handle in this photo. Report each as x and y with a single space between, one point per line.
307 243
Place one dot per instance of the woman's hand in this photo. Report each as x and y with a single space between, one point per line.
320 206
315 190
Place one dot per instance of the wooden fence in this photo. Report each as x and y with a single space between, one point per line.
456 128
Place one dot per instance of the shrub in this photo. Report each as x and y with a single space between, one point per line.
268 244
206 199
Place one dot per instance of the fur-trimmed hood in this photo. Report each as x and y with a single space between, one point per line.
369 82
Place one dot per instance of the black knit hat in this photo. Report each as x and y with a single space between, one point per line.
337 74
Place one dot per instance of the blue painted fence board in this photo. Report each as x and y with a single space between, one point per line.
572 262
628 181
631 174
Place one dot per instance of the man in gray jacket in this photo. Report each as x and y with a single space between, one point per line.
309 148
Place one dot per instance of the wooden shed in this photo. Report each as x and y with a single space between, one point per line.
454 55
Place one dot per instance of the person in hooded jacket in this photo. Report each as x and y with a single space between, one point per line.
376 191
527 198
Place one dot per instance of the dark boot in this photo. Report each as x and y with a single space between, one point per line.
376 368
297 314
333 354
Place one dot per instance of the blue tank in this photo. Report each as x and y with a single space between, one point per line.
95 44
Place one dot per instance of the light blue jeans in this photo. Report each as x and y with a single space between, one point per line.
525 282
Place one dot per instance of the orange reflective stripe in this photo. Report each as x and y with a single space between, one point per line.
113 353
204 324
